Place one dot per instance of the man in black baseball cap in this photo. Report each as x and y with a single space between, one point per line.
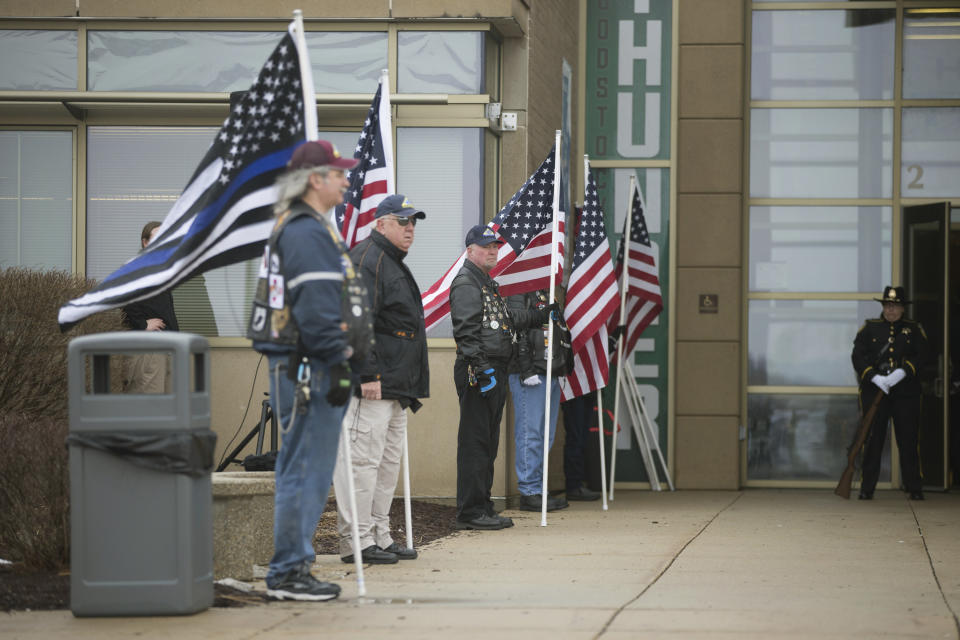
483 329
393 378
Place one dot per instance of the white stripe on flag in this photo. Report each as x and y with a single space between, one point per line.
206 179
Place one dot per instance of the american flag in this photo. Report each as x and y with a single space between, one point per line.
224 215
523 264
372 180
592 299
644 299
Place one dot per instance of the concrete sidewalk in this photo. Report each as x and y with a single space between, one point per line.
690 564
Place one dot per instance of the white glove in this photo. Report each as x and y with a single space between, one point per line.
881 381
895 377
532 381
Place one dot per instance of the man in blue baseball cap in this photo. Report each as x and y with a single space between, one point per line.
393 378
483 329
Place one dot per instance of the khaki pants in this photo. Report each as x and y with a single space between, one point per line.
146 373
376 429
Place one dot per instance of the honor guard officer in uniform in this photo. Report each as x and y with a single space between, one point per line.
483 330
297 323
889 354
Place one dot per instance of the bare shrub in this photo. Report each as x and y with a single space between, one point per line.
33 378
34 502
34 491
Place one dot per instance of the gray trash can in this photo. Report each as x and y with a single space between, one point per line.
141 529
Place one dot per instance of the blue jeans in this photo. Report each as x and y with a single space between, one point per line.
528 413
304 466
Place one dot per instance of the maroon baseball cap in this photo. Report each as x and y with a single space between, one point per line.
319 153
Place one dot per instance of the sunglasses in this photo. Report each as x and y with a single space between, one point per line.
404 221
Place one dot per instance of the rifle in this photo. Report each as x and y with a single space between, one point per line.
843 487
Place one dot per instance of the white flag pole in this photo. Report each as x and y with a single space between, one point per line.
306 78
554 264
386 129
623 313
386 138
407 512
354 524
603 455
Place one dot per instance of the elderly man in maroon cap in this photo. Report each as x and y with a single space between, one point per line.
296 323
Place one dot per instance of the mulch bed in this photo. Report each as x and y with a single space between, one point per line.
22 590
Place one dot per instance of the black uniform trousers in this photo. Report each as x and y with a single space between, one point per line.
477 441
903 405
578 414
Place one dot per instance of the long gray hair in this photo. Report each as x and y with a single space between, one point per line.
293 184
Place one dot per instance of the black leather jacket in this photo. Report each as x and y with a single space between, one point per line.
903 344
399 358
482 325
530 350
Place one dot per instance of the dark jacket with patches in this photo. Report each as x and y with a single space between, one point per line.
399 359
881 347
312 267
530 350
482 325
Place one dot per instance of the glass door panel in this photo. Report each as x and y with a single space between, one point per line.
953 337
926 278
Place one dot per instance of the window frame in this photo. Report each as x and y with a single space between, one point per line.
76 110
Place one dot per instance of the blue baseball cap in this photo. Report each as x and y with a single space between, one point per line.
481 235
399 206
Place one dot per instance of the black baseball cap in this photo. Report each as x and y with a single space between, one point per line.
399 206
481 235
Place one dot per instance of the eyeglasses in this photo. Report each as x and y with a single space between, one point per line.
404 221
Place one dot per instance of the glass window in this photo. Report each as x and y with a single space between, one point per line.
822 55
802 437
440 62
821 153
342 62
931 57
820 248
175 60
36 199
345 141
804 342
126 189
347 61
447 183
930 163
38 60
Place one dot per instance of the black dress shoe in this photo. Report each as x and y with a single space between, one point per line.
865 496
373 555
402 553
535 503
480 523
916 495
583 494
507 522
